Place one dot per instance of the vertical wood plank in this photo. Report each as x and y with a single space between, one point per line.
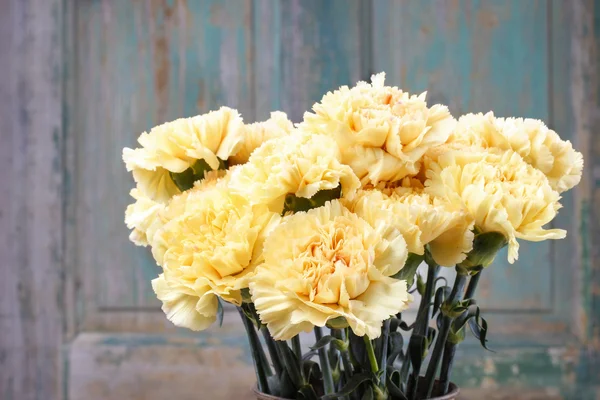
31 234
306 48
477 56
585 95
141 64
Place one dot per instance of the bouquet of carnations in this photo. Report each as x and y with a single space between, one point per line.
320 227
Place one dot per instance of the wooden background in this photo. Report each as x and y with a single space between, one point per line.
80 79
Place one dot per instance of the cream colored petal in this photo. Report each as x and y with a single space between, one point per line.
192 312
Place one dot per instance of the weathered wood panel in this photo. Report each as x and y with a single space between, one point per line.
306 48
476 56
141 64
31 180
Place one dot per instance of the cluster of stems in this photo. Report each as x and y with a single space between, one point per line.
285 360
444 350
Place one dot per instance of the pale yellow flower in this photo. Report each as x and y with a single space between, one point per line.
530 138
209 247
259 132
422 219
299 164
143 218
177 146
329 263
501 192
383 132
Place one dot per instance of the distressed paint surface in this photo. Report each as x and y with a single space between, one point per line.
69 104
141 64
476 56
31 179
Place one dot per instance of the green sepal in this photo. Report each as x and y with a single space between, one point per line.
485 247
409 270
296 204
220 311
351 385
337 323
185 180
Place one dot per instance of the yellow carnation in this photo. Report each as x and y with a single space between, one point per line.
530 138
300 164
383 132
209 247
177 146
143 218
259 132
423 220
501 192
329 263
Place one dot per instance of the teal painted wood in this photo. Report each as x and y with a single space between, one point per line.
141 64
477 56
304 49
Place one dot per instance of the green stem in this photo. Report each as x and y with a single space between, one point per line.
324 361
272 350
447 363
290 363
473 282
353 359
384 350
450 348
455 295
297 349
261 376
371 354
345 356
422 323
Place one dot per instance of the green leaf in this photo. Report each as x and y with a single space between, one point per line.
368 395
441 294
306 393
394 386
350 386
311 370
416 349
325 340
409 270
358 349
286 386
396 343
430 339
420 285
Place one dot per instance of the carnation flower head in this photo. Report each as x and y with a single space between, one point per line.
422 219
208 248
501 192
300 164
530 138
383 132
173 153
325 264
259 132
143 218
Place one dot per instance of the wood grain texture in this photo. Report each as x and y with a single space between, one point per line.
140 64
476 56
306 48
31 234
153 367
